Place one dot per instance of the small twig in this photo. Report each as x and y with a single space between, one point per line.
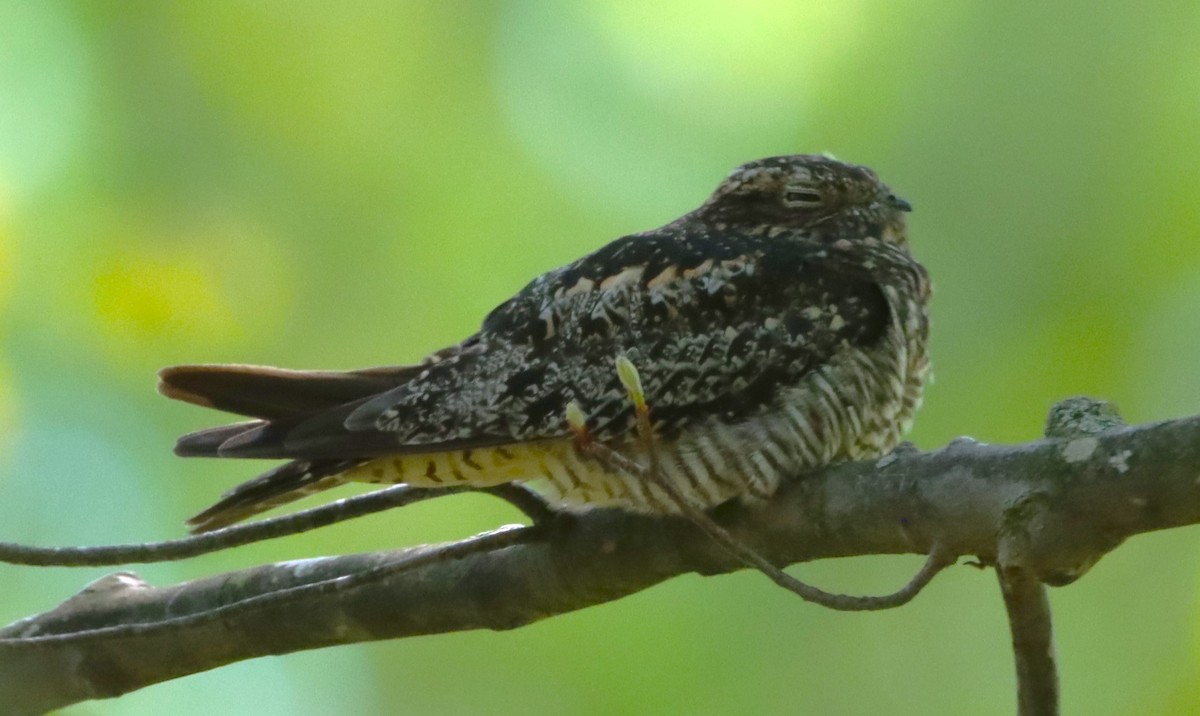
485 542
225 538
1031 627
530 503
524 499
938 559
1033 642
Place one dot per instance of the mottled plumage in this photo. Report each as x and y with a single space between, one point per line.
780 326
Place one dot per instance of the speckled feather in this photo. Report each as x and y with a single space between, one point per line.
780 326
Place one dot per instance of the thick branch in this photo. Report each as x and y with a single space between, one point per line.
1092 493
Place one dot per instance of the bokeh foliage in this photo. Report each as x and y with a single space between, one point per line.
319 184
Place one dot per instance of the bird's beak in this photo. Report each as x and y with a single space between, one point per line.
898 203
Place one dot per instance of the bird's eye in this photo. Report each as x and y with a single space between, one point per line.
803 199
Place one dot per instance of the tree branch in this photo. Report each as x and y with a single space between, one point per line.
1091 493
1032 633
227 537
1073 420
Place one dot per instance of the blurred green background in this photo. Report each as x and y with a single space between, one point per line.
348 184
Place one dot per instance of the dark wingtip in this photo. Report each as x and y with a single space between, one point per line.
209 520
207 443
278 486
242 444
218 516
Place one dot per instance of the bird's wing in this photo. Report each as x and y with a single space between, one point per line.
714 327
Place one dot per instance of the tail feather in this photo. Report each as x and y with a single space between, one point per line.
207 443
280 400
273 393
319 437
286 483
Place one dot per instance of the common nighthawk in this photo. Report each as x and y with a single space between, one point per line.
780 326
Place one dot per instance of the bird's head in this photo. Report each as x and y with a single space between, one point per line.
805 191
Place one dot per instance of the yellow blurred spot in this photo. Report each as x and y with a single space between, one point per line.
145 296
193 290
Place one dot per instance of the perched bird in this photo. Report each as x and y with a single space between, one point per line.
779 327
